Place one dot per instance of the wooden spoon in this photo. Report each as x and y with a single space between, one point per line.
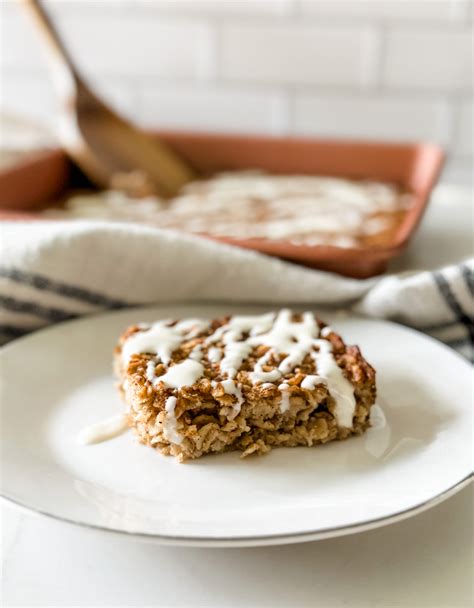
101 142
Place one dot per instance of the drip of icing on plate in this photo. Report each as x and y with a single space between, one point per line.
103 430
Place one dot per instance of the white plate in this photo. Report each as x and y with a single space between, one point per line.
59 380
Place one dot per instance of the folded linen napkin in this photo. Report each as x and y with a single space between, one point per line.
55 271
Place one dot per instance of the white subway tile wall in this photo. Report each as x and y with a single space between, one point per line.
216 109
464 130
410 10
397 69
390 117
440 59
306 55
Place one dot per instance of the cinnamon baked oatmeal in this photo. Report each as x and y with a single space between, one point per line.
305 210
246 383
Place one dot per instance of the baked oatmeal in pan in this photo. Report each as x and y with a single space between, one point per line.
305 210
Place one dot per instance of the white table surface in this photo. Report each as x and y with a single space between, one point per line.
425 561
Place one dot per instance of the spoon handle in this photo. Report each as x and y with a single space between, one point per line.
56 47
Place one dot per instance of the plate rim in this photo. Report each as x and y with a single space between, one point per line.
255 541
239 541
314 307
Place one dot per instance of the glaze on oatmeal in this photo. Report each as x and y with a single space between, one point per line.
246 383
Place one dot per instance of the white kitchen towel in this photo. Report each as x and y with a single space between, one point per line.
55 271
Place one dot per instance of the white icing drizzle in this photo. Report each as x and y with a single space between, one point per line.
216 336
259 375
286 336
170 425
182 374
214 354
267 385
338 385
285 397
236 351
103 431
296 339
192 327
230 388
150 371
159 340
295 358
240 335
257 324
196 354
310 382
235 354
326 331
162 339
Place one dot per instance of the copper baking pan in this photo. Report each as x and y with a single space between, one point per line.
31 185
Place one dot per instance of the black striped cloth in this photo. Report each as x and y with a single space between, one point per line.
53 271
